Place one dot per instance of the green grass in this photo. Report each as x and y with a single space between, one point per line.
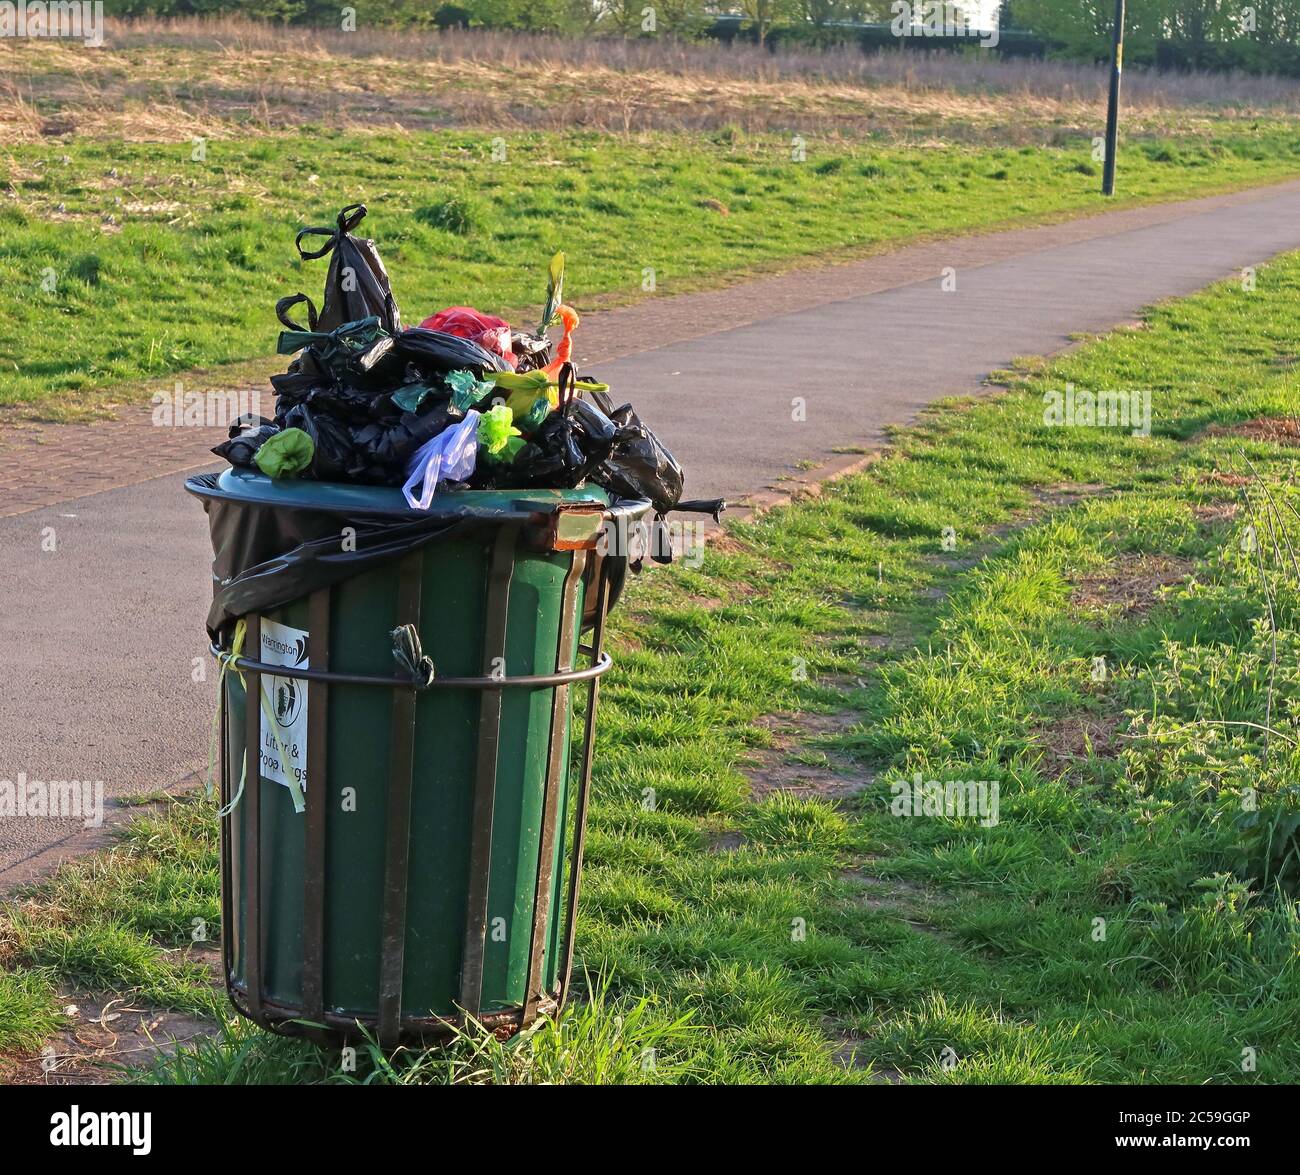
28 1010
1131 915
118 921
127 262
600 1042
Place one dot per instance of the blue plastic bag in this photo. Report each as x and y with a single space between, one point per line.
450 456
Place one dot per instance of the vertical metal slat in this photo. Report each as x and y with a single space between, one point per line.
485 782
252 806
227 838
315 793
557 757
397 856
584 790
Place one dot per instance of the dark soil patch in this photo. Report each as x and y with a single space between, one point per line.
905 899
727 842
101 1034
1213 514
847 1050
1066 493
777 768
1130 584
773 773
1071 740
1281 430
1220 477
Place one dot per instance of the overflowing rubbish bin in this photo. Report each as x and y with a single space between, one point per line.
403 815
413 562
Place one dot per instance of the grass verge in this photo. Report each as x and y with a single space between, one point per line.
1103 627
92 230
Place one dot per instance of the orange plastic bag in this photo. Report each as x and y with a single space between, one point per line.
564 348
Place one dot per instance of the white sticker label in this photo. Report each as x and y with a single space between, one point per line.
284 745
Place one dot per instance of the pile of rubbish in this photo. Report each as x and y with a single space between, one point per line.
462 401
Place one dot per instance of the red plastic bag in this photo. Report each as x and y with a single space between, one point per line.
489 332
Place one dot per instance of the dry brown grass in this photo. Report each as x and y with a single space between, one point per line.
912 71
1130 584
1215 514
1223 478
157 80
1070 741
1281 430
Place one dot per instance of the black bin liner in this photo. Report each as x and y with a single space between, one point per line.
268 553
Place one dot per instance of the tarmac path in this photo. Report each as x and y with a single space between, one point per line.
103 591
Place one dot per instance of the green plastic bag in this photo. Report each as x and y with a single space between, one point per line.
411 396
466 389
286 454
495 429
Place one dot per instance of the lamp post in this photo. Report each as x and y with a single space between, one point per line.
1112 112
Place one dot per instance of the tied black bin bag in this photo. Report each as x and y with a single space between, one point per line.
412 566
356 285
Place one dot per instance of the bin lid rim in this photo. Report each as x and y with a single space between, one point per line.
255 488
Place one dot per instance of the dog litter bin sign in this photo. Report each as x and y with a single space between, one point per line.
284 699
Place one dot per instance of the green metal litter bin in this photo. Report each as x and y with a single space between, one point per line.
428 863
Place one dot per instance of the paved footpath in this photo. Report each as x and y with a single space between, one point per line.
99 636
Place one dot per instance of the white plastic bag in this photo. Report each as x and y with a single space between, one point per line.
450 456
